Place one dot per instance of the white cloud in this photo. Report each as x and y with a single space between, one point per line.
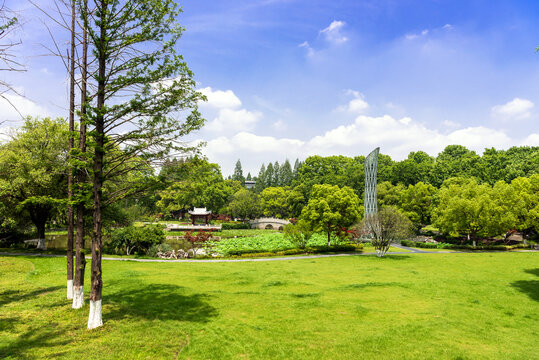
396 137
310 50
279 125
447 27
14 107
450 124
357 105
234 120
516 109
531 140
333 32
220 99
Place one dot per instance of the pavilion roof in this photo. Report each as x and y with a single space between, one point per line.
199 211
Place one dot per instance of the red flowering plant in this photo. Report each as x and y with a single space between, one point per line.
197 240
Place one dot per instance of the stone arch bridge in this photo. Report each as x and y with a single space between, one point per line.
268 223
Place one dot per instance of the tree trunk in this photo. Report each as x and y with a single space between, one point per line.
95 317
69 168
329 237
80 260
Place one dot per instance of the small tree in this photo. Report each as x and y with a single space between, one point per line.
299 234
199 238
331 209
386 226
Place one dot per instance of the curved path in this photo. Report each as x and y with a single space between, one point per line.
410 251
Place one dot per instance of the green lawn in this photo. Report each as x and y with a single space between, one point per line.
416 306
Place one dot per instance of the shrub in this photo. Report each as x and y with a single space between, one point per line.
235 226
299 234
131 239
154 249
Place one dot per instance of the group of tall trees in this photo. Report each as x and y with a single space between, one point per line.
137 99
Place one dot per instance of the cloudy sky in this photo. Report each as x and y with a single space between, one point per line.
289 79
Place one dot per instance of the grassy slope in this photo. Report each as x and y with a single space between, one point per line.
428 306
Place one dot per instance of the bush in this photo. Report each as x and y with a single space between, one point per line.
235 226
298 234
130 239
154 249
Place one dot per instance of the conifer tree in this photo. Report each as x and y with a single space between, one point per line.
138 82
261 179
238 172
285 174
270 176
276 174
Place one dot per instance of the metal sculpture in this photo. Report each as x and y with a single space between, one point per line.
371 169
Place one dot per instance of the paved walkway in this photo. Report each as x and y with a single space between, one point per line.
410 251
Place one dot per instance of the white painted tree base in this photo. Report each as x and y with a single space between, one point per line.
95 319
78 297
70 289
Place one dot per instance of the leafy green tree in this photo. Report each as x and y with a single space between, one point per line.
389 194
454 161
524 202
249 177
33 171
466 208
331 208
238 173
139 82
333 170
296 200
201 185
417 201
245 204
417 167
274 202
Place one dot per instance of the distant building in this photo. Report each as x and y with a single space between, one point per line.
249 184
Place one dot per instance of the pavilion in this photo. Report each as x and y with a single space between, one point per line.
200 213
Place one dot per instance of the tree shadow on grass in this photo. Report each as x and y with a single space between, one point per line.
10 296
395 257
157 301
34 338
528 287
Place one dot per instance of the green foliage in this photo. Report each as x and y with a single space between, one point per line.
135 239
154 249
466 208
238 173
274 202
387 226
245 204
195 183
331 208
274 243
235 226
299 234
33 171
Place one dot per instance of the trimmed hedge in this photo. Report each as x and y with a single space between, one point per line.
461 246
307 250
235 226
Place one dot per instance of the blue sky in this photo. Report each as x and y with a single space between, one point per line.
289 79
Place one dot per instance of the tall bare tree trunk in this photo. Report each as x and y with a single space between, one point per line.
80 260
70 168
95 316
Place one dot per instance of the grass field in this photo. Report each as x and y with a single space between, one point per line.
417 306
